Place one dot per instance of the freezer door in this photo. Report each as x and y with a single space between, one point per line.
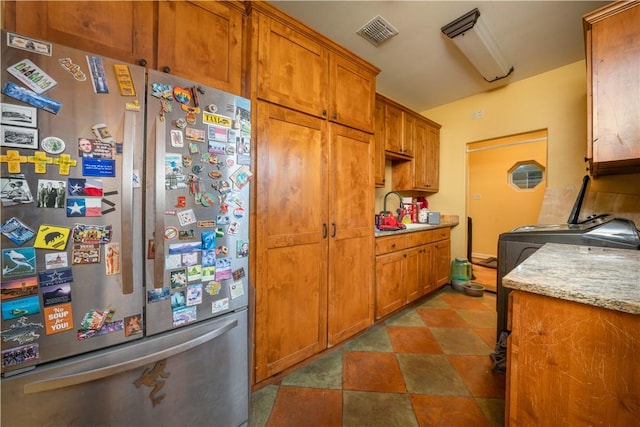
83 259
198 173
195 376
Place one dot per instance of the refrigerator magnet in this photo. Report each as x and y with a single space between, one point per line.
236 289
73 69
65 163
22 332
58 318
98 74
170 233
51 237
13 159
27 43
17 231
18 288
40 162
123 77
112 258
213 288
30 97
18 262
20 307
98 167
219 305
53 145
32 76
20 355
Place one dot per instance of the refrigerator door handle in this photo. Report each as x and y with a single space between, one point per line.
63 381
130 124
158 269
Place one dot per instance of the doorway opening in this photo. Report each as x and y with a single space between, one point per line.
506 180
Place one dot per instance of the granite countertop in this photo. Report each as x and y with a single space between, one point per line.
602 277
445 221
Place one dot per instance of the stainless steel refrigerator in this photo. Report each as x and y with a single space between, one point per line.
125 226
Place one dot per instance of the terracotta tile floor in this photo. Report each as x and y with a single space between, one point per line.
427 365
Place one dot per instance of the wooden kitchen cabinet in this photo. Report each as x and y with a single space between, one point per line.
301 69
378 133
202 41
612 35
423 171
408 266
292 243
314 248
395 144
122 30
197 40
571 364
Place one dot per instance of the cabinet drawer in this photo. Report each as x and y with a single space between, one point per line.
441 234
419 238
390 244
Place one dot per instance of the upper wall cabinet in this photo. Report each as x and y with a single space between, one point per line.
612 36
299 69
119 29
197 40
201 41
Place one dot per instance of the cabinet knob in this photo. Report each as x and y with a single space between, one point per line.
335 115
166 69
333 224
142 62
393 245
325 231
324 112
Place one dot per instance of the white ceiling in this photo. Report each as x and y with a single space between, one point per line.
422 68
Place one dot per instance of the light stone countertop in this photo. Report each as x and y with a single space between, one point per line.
602 277
445 221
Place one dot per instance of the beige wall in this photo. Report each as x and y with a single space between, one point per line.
555 101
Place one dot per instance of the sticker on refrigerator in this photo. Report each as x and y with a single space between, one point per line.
19 355
56 295
220 305
184 315
112 258
19 115
132 325
157 295
97 234
51 237
32 76
19 307
29 44
18 262
84 207
123 77
30 97
17 231
236 289
73 69
55 260
15 190
85 254
22 332
98 167
98 75
18 288
58 318
194 294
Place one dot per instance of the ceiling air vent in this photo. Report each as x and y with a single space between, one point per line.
377 31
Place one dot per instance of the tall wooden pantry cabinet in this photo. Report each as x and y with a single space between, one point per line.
314 191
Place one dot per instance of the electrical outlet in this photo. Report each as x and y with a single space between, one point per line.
478 114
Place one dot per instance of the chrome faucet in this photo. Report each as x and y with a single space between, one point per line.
399 198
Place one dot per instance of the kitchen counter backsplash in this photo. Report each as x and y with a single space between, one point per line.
445 221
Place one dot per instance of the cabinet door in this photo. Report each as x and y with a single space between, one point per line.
408 133
292 70
441 262
380 161
291 246
390 293
420 161
122 30
352 94
351 234
201 41
615 81
393 129
425 270
412 275
432 172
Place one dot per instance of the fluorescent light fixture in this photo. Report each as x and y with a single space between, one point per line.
474 40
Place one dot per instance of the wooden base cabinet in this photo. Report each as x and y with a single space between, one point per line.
571 364
314 248
408 266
